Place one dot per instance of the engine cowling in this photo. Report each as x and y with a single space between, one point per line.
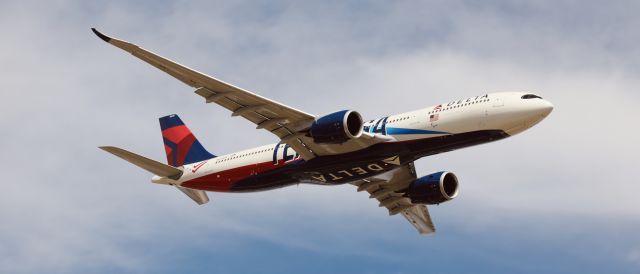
337 127
434 188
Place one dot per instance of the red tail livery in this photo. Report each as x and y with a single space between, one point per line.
180 144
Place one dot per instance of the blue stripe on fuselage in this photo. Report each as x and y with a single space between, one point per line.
401 131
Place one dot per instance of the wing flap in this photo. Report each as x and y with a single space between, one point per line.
418 216
385 188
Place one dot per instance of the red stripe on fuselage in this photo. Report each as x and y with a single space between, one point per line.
223 180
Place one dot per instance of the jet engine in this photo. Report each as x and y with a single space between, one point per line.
433 189
336 128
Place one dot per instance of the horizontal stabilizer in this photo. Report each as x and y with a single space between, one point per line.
147 164
198 196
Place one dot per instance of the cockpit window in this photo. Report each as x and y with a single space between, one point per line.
530 96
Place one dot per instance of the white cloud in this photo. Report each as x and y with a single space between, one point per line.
65 203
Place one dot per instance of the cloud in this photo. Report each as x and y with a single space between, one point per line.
634 256
68 207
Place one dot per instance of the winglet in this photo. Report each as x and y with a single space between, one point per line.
102 36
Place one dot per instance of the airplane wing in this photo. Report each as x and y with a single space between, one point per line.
285 122
384 188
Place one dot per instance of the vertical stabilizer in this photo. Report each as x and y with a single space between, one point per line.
180 144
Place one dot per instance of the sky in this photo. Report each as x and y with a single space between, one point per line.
558 198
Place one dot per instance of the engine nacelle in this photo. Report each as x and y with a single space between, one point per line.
336 128
433 189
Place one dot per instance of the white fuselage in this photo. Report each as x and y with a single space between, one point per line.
508 112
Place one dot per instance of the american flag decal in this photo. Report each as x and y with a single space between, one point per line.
434 117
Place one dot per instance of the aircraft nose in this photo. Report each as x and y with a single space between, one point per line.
546 107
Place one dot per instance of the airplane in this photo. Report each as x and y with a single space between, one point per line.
376 156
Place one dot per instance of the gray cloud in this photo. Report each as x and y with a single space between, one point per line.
64 203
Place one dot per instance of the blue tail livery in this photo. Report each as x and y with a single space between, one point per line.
180 144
